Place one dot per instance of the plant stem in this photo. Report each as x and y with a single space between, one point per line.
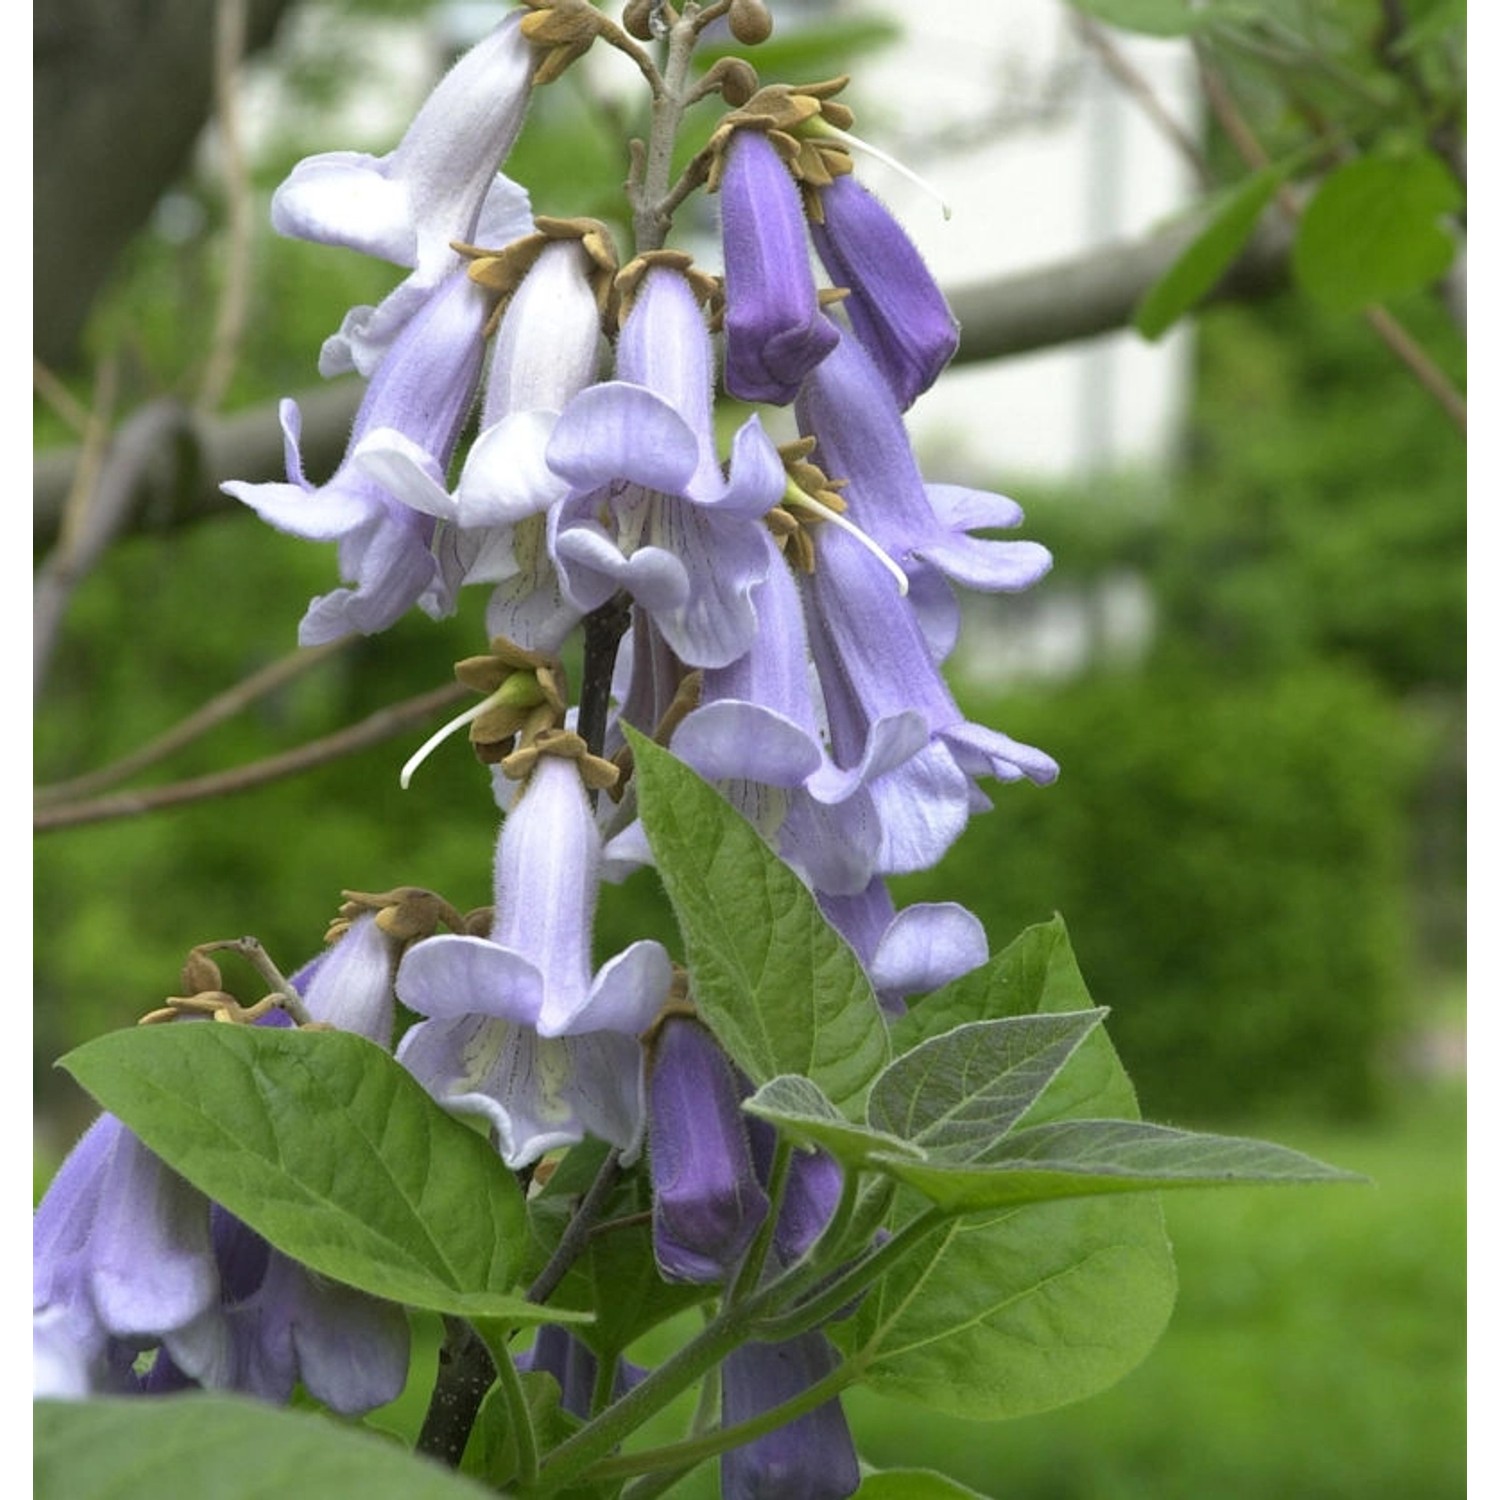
849 1283
518 1413
652 218
465 1373
680 1457
575 1236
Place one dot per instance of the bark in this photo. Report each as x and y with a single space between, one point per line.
121 92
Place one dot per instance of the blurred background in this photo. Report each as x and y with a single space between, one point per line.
1249 658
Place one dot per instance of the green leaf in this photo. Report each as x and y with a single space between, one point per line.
1197 270
1083 1158
329 1148
913 1484
1036 974
222 1448
957 1094
780 987
1013 1312
491 1453
1007 1314
800 1109
1374 231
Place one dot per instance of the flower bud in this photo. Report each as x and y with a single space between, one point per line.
749 22
637 20
707 1203
811 1458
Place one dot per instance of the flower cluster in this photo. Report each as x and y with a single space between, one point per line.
789 611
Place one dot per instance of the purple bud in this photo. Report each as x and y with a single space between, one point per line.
707 1201
894 304
774 330
811 1458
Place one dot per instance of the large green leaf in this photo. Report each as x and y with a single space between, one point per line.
780 987
222 1448
1086 1158
957 1094
1006 1313
1374 230
325 1145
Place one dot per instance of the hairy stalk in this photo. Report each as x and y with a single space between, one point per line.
848 1284
734 1324
652 184
517 1412
679 1458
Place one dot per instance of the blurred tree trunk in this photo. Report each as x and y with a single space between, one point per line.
122 89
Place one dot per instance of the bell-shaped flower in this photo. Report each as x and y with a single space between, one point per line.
649 510
774 329
520 1029
408 206
352 986
873 661
908 952
492 527
285 1325
846 405
121 1262
423 390
706 1203
757 732
809 1458
894 304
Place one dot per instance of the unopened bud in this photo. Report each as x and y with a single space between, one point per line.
749 21
637 20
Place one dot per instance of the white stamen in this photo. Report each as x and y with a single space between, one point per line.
903 584
451 727
849 138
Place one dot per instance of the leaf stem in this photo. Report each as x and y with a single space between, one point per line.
849 1283
517 1411
680 1457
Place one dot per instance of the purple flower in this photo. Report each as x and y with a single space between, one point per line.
758 733
423 390
121 1262
286 1324
649 510
894 304
351 986
492 527
810 1458
872 662
920 948
521 1030
846 405
408 206
128 1257
706 1202
774 329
